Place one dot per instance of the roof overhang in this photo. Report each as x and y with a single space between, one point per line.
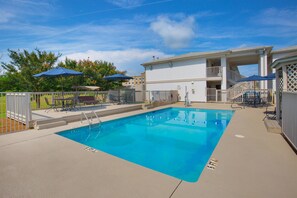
252 49
227 53
186 57
285 50
279 62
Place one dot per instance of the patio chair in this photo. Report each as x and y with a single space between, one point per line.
113 99
50 106
76 102
270 114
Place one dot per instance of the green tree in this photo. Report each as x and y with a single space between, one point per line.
25 64
94 72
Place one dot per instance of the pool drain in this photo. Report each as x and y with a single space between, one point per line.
212 164
91 149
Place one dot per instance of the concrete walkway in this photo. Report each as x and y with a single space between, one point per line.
42 164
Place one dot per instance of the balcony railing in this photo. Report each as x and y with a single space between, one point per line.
214 71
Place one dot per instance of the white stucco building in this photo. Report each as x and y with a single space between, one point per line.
203 73
137 82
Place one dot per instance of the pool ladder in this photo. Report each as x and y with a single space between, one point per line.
90 120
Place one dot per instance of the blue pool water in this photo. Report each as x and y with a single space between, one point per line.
174 141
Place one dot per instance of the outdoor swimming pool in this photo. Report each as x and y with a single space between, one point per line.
174 141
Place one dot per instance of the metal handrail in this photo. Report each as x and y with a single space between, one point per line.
90 122
81 118
99 121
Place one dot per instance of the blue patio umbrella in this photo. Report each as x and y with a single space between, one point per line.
270 76
252 78
59 72
116 77
255 78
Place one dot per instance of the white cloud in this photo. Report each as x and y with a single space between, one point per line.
18 10
126 3
5 16
82 37
176 34
208 13
129 60
281 17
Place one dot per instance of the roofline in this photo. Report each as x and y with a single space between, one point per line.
266 48
287 49
185 57
204 55
283 60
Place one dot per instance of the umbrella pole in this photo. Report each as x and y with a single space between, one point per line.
63 102
254 93
62 84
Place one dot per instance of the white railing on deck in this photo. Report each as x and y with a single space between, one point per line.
214 71
238 89
218 95
289 117
15 112
18 107
161 96
38 98
211 94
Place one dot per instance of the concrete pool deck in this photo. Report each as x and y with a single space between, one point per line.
41 164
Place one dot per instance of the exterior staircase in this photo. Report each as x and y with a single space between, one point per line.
238 90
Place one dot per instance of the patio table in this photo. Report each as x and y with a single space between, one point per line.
67 103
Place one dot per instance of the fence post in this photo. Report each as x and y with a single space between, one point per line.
28 109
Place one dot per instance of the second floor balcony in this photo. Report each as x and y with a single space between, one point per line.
214 71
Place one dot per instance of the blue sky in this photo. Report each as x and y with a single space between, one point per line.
130 32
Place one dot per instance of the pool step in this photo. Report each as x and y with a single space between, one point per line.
47 121
51 125
272 126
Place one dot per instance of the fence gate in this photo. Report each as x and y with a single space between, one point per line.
15 112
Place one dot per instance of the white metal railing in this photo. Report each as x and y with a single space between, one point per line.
122 96
38 98
15 112
238 89
214 71
161 96
221 95
218 95
211 94
265 95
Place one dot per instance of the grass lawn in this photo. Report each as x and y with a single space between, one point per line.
33 102
2 107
